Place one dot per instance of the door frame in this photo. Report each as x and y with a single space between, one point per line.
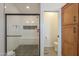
6 28
59 31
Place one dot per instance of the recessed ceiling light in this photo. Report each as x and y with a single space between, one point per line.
27 21
5 7
32 21
27 7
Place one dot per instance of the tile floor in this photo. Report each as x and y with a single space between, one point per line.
27 50
49 51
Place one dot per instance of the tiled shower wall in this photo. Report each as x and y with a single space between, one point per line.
2 29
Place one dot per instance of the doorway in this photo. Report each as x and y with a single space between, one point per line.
22 34
51 33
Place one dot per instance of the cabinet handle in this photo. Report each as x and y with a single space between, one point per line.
74 18
74 29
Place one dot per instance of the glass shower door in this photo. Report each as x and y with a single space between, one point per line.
23 35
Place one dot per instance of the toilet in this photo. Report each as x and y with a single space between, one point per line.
11 53
56 46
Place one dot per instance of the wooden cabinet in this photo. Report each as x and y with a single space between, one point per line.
69 40
70 12
70 30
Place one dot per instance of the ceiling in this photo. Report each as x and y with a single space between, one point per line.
21 8
34 7
52 6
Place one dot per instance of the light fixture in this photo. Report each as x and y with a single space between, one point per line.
27 7
27 21
5 7
32 21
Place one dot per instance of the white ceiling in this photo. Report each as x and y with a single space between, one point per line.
21 8
52 6
34 7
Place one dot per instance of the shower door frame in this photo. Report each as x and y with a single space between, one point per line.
6 28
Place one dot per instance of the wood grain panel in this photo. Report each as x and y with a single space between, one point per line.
69 36
70 32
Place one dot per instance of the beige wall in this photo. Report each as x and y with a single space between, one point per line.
51 28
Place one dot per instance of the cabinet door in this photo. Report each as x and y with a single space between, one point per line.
76 13
69 13
69 40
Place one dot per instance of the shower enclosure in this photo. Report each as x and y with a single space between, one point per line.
22 34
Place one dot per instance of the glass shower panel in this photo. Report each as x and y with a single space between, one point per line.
23 35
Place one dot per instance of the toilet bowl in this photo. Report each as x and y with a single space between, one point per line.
56 46
10 53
